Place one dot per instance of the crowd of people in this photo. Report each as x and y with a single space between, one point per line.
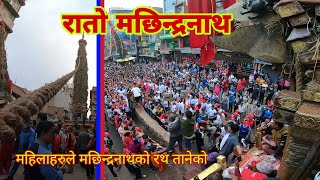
211 108
46 137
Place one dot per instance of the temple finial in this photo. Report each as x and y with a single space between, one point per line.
83 36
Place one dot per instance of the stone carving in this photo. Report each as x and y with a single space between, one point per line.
289 9
259 7
262 42
297 152
307 122
289 104
313 86
306 134
308 95
284 116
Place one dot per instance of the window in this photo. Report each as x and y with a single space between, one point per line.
219 4
6 15
186 41
15 4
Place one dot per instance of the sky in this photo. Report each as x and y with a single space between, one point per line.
40 51
132 3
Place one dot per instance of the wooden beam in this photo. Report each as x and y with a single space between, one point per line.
214 168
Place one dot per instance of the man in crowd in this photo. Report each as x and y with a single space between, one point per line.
274 143
70 145
230 141
188 122
174 129
45 132
136 93
26 140
83 140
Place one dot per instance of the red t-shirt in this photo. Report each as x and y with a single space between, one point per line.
56 145
127 140
247 174
116 121
148 88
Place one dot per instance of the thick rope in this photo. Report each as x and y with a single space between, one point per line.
299 76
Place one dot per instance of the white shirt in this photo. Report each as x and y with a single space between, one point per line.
175 96
165 104
136 91
173 107
207 106
121 92
156 98
127 108
181 106
224 139
162 88
212 112
219 120
194 101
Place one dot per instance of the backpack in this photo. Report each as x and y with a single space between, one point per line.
33 172
108 142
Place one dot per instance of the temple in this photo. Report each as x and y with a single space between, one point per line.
288 38
80 82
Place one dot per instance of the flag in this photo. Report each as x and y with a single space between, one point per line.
207 52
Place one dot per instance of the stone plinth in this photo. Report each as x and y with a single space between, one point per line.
288 100
302 143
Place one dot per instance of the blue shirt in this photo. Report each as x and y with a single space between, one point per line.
229 145
26 140
106 100
232 98
192 71
204 82
48 171
267 114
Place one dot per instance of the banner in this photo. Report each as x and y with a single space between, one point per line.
207 52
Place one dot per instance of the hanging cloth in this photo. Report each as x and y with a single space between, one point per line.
207 48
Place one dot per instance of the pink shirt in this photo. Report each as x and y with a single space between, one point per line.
286 83
148 88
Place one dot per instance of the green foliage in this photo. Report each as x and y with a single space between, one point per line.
80 84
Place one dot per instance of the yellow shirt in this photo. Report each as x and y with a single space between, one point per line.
276 135
260 81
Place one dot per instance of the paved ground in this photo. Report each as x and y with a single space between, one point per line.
171 172
79 173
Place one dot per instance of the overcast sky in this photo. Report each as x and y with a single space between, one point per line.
39 50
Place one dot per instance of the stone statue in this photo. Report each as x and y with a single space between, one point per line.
260 7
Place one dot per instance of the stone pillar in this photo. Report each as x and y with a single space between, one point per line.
303 140
302 143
